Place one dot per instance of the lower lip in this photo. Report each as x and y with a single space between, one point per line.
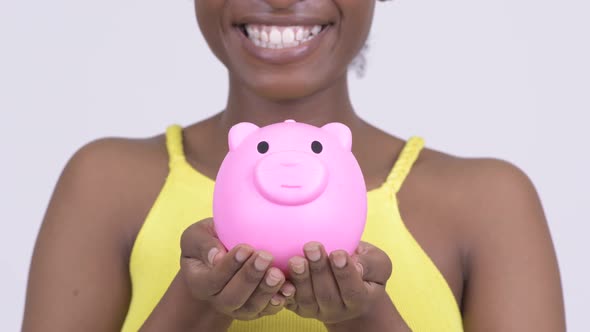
282 56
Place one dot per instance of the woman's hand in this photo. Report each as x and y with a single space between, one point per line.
239 283
340 288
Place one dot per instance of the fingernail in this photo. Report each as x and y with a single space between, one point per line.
262 261
298 265
273 278
275 301
288 290
242 255
211 256
313 252
339 260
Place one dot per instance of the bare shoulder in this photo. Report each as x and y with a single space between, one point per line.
113 151
122 176
82 249
477 192
474 198
490 213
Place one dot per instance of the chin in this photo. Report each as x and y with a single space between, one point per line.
286 89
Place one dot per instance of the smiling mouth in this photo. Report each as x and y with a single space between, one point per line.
280 37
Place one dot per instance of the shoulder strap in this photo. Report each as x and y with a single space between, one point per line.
174 145
404 163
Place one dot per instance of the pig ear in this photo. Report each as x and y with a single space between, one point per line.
238 133
341 132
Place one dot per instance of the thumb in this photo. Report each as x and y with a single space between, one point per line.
199 241
375 265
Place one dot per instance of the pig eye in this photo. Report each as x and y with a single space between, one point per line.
316 147
263 147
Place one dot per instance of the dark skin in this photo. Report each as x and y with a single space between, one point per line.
479 220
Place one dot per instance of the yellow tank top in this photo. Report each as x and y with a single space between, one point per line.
416 287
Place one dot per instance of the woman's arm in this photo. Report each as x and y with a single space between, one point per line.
513 281
79 278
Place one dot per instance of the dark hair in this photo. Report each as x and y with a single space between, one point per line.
359 63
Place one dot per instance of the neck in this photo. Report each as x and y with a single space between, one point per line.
329 105
207 142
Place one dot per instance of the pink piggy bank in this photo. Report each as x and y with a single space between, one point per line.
289 183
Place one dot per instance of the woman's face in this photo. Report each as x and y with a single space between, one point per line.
285 49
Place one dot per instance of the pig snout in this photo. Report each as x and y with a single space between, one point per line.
290 177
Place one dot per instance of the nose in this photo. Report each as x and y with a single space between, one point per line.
290 177
282 4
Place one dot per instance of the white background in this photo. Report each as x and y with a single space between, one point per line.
505 78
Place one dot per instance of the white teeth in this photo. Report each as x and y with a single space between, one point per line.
275 36
299 34
288 36
316 29
278 37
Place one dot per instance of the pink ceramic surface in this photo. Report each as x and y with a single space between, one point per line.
289 183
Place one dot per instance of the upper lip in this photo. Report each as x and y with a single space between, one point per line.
281 20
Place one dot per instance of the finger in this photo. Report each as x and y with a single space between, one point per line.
199 241
305 303
264 293
205 282
350 283
276 304
288 292
227 267
243 284
324 285
376 265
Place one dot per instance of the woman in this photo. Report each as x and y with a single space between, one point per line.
472 251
